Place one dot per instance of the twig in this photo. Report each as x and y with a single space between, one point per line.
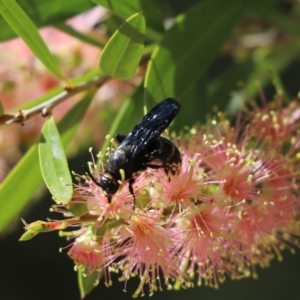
46 106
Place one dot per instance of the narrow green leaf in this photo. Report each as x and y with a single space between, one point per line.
270 11
220 91
124 50
194 111
125 110
24 27
86 283
128 115
189 47
22 182
46 12
153 11
80 36
19 186
53 163
1 109
281 57
124 8
69 124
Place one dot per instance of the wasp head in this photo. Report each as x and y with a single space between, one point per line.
107 182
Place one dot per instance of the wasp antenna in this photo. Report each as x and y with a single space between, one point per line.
91 176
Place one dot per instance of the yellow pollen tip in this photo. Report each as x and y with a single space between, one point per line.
122 173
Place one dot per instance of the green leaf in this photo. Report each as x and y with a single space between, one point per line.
80 36
123 8
53 163
22 182
189 47
125 110
24 27
124 50
19 186
86 283
46 12
276 61
153 11
1 109
193 112
130 112
221 89
270 11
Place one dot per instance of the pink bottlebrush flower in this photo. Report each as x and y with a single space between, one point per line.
274 124
85 251
145 248
204 229
182 188
232 204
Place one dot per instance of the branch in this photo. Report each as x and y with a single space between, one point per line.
46 106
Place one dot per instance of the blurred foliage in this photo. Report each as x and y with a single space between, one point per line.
207 54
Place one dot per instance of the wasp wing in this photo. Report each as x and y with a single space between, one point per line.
151 126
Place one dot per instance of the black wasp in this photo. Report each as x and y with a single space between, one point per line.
142 148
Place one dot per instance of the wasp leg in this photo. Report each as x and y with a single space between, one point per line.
166 169
130 186
91 176
109 197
